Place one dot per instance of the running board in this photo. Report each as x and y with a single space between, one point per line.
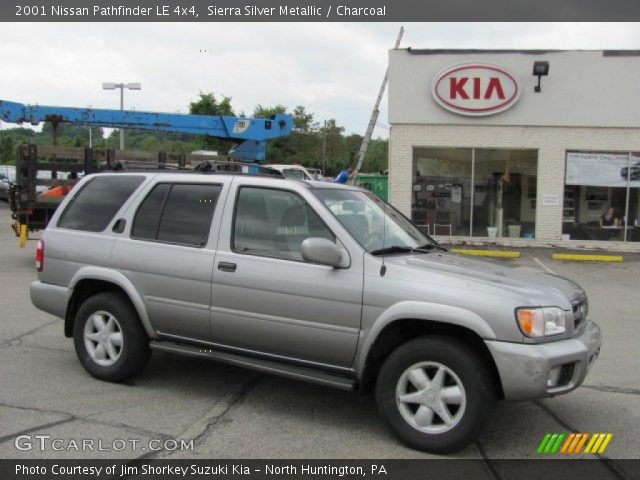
267 366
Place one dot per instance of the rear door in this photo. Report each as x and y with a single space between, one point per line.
266 299
168 254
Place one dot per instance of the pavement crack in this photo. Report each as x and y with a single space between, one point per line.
87 418
487 461
12 436
614 389
17 340
235 401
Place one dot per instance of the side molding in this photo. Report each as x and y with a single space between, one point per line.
426 311
117 278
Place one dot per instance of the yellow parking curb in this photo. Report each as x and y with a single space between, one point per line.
488 253
576 257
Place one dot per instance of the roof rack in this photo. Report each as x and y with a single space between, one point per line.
206 167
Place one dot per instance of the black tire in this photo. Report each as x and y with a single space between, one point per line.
134 352
470 369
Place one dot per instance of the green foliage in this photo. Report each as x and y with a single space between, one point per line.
304 146
6 150
266 112
208 104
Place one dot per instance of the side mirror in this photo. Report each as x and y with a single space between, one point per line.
321 250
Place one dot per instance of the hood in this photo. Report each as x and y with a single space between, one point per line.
531 286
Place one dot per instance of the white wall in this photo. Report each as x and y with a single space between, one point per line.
583 88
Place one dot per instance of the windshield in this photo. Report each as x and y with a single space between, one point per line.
295 173
376 225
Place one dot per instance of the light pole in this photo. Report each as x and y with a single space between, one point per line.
121 86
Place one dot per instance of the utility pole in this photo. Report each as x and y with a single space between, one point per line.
121 86
374 116
324 149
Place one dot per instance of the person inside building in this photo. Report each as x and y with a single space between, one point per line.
609 219
344 176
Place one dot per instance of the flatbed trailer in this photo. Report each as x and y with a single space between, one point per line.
42 167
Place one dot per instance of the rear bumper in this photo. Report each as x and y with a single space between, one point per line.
50 298
524 368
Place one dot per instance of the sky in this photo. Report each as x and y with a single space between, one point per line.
333 69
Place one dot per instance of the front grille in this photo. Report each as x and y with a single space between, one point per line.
580 311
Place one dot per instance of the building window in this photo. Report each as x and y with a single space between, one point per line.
602 196
478 192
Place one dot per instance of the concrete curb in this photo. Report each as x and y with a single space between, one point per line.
575 257
488 253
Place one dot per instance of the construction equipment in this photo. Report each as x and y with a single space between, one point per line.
374 116
40 167
250 134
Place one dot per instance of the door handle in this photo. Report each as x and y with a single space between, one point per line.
227 267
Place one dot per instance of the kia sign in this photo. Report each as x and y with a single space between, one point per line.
475 89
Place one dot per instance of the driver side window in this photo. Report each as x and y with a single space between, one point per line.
274 223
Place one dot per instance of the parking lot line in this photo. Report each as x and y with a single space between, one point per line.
544 267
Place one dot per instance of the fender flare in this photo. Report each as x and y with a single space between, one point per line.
117 278
425 311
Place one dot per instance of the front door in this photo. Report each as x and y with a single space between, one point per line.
267 299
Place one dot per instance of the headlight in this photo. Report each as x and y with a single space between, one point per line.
541 322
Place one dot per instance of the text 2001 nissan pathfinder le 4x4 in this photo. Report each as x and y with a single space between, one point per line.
315 281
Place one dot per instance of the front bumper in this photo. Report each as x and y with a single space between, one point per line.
524 368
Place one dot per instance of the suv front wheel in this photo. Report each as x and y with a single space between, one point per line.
109 339
435 394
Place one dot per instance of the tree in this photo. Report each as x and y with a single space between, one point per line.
7 153
303 120
266 112
207 104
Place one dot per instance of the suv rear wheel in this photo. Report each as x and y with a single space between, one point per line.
435 394
109 339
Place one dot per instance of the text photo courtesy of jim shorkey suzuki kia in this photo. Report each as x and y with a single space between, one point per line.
258 240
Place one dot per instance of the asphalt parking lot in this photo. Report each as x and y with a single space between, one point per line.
235 413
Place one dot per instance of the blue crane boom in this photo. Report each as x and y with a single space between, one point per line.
250 134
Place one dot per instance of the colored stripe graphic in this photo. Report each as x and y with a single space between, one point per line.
582 442
543 443
573 443
551 442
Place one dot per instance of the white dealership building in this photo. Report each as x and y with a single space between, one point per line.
516 146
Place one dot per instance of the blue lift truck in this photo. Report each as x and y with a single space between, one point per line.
39 167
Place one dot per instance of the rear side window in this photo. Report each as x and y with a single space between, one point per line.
178 213
95 205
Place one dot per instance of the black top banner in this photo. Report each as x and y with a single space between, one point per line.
318 10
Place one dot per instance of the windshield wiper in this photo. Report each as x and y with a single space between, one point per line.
400 249
431 246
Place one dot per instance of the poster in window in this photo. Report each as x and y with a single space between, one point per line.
602 169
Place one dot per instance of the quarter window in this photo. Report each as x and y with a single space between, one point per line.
178 213
95 205
274 223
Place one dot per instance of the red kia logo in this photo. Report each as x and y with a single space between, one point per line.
475 89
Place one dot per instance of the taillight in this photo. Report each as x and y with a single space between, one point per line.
40 256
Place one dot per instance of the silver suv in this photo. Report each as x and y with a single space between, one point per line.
314 281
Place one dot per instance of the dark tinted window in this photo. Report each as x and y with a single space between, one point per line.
179 213
145 225
274 223
98 201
